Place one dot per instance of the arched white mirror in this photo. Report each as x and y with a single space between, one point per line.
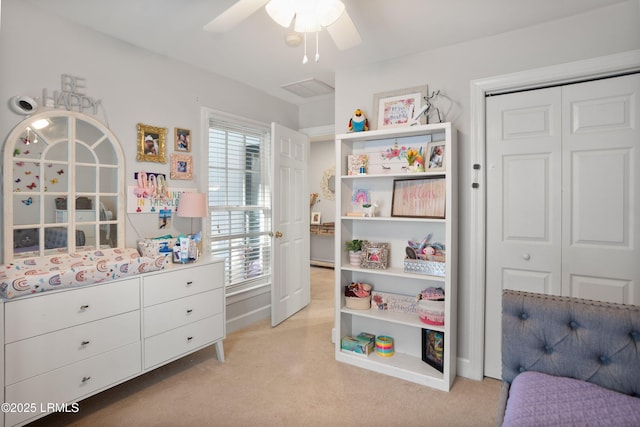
62 192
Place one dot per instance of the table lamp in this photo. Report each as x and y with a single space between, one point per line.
192 205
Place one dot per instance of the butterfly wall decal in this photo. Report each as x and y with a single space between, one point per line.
31 186
61 171
28 201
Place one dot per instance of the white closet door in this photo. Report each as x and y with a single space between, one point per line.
601 206
523 203
563 197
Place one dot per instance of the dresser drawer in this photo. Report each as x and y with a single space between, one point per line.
75 381
169 315
176 342
33 356
45 313
170 285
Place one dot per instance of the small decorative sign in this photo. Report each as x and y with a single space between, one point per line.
71 96
137 204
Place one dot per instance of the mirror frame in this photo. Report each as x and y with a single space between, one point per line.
12 143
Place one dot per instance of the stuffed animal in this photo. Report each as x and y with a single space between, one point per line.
358 122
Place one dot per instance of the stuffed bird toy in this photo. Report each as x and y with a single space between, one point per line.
358 122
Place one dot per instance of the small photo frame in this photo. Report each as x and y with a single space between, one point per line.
375 255
396 108
433 348
434 161
419 197
315 218
181 166
182 140
152 144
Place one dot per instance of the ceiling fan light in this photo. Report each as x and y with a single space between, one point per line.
281 11
306 23
329 11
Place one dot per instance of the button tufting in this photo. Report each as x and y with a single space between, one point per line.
524 316
521 369
548 349
635 335
573 325
604 360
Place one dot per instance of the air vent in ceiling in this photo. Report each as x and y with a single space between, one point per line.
309 88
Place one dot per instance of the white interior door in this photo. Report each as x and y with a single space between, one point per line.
562 203
290 291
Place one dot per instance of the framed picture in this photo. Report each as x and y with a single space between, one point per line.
433 348
396 108
419 198
435 156
182 140
152 144
315 218
375 255
181 166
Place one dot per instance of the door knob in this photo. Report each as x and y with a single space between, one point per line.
278 234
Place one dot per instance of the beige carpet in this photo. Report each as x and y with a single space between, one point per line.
283 376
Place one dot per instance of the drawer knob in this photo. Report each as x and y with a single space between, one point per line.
84 307
189 311
189 339
189 283
85 342
85 379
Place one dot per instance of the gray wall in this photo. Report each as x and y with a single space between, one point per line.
602 32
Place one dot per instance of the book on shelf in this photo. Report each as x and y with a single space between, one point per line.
358 214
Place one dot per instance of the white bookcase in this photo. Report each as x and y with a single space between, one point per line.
404 328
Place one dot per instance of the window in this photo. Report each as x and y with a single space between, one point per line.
240 200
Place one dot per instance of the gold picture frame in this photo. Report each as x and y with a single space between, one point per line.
152 145
414 96
182 140
181 166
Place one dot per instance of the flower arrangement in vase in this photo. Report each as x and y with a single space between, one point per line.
415 160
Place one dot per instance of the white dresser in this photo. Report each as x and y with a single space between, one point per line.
63 346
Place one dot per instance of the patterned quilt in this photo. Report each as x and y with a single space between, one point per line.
33 275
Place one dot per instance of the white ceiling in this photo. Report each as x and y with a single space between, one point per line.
255 53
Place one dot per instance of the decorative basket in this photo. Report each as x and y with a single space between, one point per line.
358 303
432 268
431 312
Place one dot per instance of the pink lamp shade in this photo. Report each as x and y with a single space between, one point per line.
192 205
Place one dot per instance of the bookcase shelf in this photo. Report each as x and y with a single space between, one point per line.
406 329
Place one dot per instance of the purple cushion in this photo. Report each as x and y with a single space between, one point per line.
537 399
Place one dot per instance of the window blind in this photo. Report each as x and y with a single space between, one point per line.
240 200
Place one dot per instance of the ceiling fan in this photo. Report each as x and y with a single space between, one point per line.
337 21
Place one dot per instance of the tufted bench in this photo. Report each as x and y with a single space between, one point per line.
569 361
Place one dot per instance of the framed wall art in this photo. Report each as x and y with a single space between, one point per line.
375 255
152 144
433 348
396 108
315 218
182 140
181 166
435 156
419 198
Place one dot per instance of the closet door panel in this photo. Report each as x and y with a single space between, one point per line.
601 203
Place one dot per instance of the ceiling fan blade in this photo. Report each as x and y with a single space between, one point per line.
231 17
344 32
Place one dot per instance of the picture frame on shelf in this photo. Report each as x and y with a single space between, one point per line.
436 152
152 143
181 166
419 197
396 108
315 218
433 348
182 140
375 255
